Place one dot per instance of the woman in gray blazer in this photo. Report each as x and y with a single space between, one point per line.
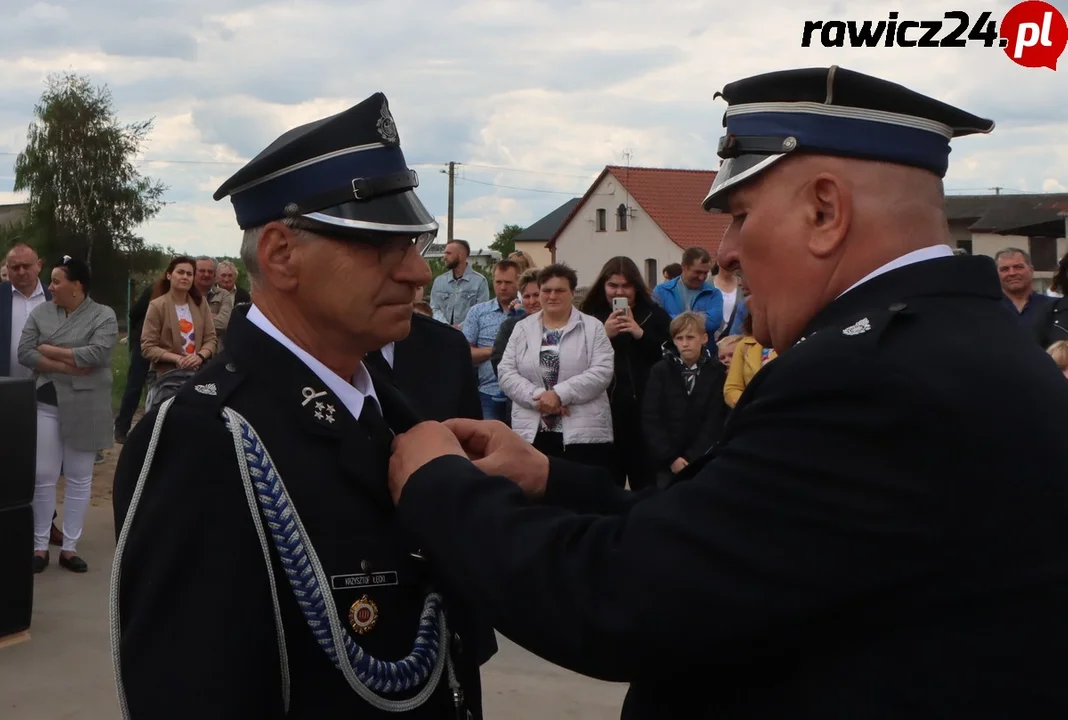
68 344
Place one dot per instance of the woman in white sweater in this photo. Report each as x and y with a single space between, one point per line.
556 369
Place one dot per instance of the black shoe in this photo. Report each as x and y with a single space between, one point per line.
55 537
120 438
73 563
40 562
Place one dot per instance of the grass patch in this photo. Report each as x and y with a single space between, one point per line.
120 368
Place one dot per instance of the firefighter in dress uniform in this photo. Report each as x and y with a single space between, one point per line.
871 538
259 571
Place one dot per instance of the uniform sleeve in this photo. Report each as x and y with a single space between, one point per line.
792 521
197 627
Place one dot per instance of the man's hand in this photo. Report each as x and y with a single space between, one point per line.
412 450
496 450
678 465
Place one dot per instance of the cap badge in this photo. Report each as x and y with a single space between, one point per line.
363 615
386 127
861 326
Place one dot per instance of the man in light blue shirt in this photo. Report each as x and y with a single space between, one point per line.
480 328
454 293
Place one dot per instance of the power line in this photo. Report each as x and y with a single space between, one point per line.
530 172
514 187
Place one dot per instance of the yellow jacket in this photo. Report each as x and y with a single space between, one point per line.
747 361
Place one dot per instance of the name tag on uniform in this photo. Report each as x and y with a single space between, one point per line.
363 580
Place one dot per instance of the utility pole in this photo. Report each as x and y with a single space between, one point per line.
997 190
452 182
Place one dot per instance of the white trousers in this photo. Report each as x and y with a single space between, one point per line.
53 456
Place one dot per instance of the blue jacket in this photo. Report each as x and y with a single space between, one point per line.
709 301
5 326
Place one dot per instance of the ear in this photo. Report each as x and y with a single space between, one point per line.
830 214
278 256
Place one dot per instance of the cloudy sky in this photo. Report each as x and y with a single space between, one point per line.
533 97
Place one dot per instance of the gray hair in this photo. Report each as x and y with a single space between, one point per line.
250 242
1014 251
213 261
229 265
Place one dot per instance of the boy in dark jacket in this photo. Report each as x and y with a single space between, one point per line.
683 411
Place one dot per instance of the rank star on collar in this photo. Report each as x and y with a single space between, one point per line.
861 326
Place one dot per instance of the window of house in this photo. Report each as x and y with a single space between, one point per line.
965 245
1044 253
602 220
651 276
621 218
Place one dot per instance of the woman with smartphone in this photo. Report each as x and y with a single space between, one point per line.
638 329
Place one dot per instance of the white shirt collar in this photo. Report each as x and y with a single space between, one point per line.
387 353
39 290
927 253
351 395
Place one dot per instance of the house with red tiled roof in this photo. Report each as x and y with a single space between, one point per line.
648 214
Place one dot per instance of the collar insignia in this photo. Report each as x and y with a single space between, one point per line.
309 394
861 326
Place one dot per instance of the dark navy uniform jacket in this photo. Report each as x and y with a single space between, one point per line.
882 531
432 368
198 631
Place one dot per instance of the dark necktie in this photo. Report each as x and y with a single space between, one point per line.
378 431
378 362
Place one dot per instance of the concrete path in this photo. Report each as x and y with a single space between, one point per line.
64 671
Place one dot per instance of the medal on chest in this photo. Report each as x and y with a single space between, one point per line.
363 615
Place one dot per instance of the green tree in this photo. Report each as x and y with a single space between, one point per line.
504 241
86 194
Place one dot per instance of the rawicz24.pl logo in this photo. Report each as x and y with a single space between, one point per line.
1033 33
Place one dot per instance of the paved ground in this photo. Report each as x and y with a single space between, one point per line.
64 671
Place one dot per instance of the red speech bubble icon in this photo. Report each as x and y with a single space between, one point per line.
1034 34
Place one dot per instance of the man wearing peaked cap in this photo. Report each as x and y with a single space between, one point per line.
259 570
869 538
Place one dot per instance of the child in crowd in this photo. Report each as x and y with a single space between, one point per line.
749 357
683 411
1059 352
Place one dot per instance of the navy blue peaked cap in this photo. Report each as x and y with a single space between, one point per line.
831 111
342 176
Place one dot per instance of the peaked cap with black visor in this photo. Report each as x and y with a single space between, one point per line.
831 111
343 177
